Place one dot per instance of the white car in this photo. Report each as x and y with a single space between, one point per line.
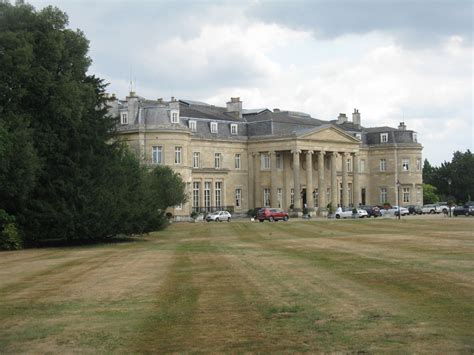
431 208
219 216
394 210
346 212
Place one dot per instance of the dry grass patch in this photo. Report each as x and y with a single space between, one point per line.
351 286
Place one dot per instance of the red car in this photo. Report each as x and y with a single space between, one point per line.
272 214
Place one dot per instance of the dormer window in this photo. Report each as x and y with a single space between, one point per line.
124 118
415 137
383 137
213 127
233 129
358 136
192 125
174 117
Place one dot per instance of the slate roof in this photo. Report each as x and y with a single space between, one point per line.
260 122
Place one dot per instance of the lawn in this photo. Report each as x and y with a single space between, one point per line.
322 285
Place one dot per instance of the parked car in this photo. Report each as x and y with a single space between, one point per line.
430 208
272 214
465 210
219 216
347 212
395 210
372 211
414 209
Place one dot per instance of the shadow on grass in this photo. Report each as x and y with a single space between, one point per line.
61 243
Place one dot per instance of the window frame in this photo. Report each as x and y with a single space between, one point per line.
406 194
217 160
237 161
238 198
383 137
405 164
124 118
265 162
383 195
214 127
178 155
266 197
192 124
232 127
279 161
196 160
159 149
383 164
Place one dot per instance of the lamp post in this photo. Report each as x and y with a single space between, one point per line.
398 199
449 193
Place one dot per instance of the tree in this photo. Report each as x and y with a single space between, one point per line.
430 194
428 172
452 179
63 175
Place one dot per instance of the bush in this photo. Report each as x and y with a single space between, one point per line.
10 238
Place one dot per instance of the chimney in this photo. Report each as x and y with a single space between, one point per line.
341 118
160 100
356 117
402 126
276 110
235 106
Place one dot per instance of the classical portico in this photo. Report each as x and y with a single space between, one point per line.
318 161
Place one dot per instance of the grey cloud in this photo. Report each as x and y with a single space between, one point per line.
413 22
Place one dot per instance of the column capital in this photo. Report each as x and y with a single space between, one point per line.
309 152
296 151
334 154
322 152
271 152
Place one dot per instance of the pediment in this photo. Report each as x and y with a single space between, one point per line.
329 134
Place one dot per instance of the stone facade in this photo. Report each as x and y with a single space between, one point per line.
237 159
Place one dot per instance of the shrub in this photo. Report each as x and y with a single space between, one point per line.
10 238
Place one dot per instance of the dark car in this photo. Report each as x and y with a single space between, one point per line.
466 210
372 211
272 214
413 209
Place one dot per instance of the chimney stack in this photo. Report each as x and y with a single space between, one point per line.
356 117
341 118
402 126
235 106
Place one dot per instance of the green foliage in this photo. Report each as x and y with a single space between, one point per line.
329 208
62 174
10 238
430 194
460 172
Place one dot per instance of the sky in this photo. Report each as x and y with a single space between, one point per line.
405 60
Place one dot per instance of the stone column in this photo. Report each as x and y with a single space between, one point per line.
213 193
250 176
296 178
309 179
273 180
321 181
334 187
355 180
256 180
201 194
345 195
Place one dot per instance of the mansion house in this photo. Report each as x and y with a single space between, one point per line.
238 159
